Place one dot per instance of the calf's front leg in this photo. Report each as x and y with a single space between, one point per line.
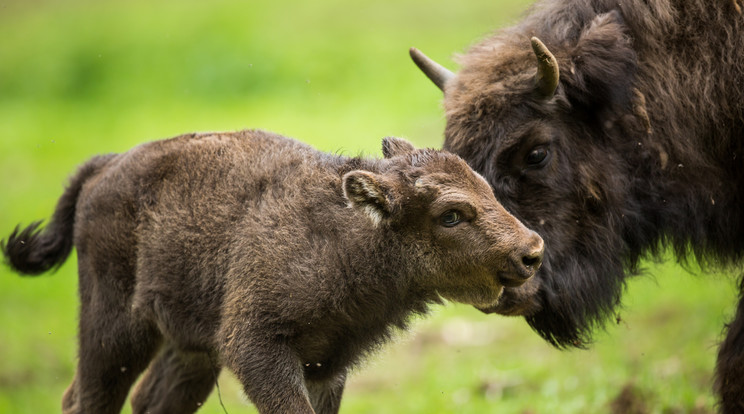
271 375
325 396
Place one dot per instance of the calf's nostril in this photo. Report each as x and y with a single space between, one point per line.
524 262
531 260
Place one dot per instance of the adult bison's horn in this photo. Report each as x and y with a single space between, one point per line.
546 79
433 70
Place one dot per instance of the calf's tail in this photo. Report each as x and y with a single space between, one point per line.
33 251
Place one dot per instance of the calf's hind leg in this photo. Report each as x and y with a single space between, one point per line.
112 354
176 382
114 345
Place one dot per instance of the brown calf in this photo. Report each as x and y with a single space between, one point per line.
258 253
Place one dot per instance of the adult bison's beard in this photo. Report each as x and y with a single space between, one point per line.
572 296
578 296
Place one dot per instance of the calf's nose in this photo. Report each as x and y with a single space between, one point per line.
525 261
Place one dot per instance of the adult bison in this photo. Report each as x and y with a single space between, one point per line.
617 134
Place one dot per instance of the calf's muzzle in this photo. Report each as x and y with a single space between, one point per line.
525 261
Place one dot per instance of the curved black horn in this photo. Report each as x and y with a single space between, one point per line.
433 70
547 76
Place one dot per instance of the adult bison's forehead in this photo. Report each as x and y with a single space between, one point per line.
492 69
498 74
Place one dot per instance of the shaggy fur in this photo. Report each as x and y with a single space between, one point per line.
255 252
640 148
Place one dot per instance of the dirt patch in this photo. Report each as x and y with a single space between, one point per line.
630 400
633 400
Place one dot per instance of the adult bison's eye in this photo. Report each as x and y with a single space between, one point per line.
450 218
537 157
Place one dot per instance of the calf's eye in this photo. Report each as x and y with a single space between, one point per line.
537 157
450 218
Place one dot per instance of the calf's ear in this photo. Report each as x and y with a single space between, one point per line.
392 146
367 191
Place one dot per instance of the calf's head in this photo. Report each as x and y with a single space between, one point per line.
456 237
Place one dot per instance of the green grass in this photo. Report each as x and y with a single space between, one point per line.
80 77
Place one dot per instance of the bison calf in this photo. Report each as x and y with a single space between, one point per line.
258 253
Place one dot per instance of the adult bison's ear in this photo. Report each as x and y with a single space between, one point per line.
392 147
367 191
603 64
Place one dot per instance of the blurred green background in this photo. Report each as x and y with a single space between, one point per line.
82 77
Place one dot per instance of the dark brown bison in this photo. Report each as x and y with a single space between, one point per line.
255 252
615 129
